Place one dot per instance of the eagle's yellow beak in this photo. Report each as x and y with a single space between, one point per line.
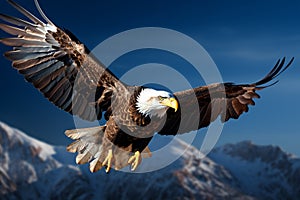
170 102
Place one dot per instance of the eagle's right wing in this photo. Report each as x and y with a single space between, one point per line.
58 65
200 106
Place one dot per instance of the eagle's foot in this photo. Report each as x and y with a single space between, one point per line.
108 160
135 160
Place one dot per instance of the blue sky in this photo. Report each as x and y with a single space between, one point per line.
244 38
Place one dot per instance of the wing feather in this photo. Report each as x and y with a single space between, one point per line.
227 100
24 55
17 42
58 65
20 22
26 13
17 31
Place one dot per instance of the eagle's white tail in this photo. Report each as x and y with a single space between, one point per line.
88 144
92 147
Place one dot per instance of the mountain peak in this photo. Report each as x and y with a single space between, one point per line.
262 170
246 150
13 138
28 169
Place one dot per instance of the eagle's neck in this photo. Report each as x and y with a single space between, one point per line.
147 105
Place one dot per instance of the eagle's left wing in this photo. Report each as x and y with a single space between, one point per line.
200 106
58 65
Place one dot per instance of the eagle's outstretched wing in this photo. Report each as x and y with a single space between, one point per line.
58 65
227 100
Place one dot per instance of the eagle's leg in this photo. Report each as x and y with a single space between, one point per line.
108 160
135 160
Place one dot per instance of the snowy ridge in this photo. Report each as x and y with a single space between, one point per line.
42 149
30 169
263 171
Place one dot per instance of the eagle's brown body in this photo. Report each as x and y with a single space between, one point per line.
63 69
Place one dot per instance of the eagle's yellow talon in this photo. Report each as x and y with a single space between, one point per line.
108 160
135 160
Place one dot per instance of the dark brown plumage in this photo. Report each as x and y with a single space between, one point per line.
65 72
227 99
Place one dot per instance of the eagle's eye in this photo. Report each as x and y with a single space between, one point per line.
160 98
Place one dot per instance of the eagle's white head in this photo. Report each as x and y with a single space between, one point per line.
152 102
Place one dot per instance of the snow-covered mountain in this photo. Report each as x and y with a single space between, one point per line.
30 169
262 171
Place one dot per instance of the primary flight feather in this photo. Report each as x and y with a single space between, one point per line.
65 72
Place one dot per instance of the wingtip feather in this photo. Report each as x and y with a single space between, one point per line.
25 12
275 72
42 13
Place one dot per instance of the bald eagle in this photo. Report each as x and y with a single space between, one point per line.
65 72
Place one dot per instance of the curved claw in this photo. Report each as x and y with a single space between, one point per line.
135 160
108 160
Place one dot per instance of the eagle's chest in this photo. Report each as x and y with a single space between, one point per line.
143 127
